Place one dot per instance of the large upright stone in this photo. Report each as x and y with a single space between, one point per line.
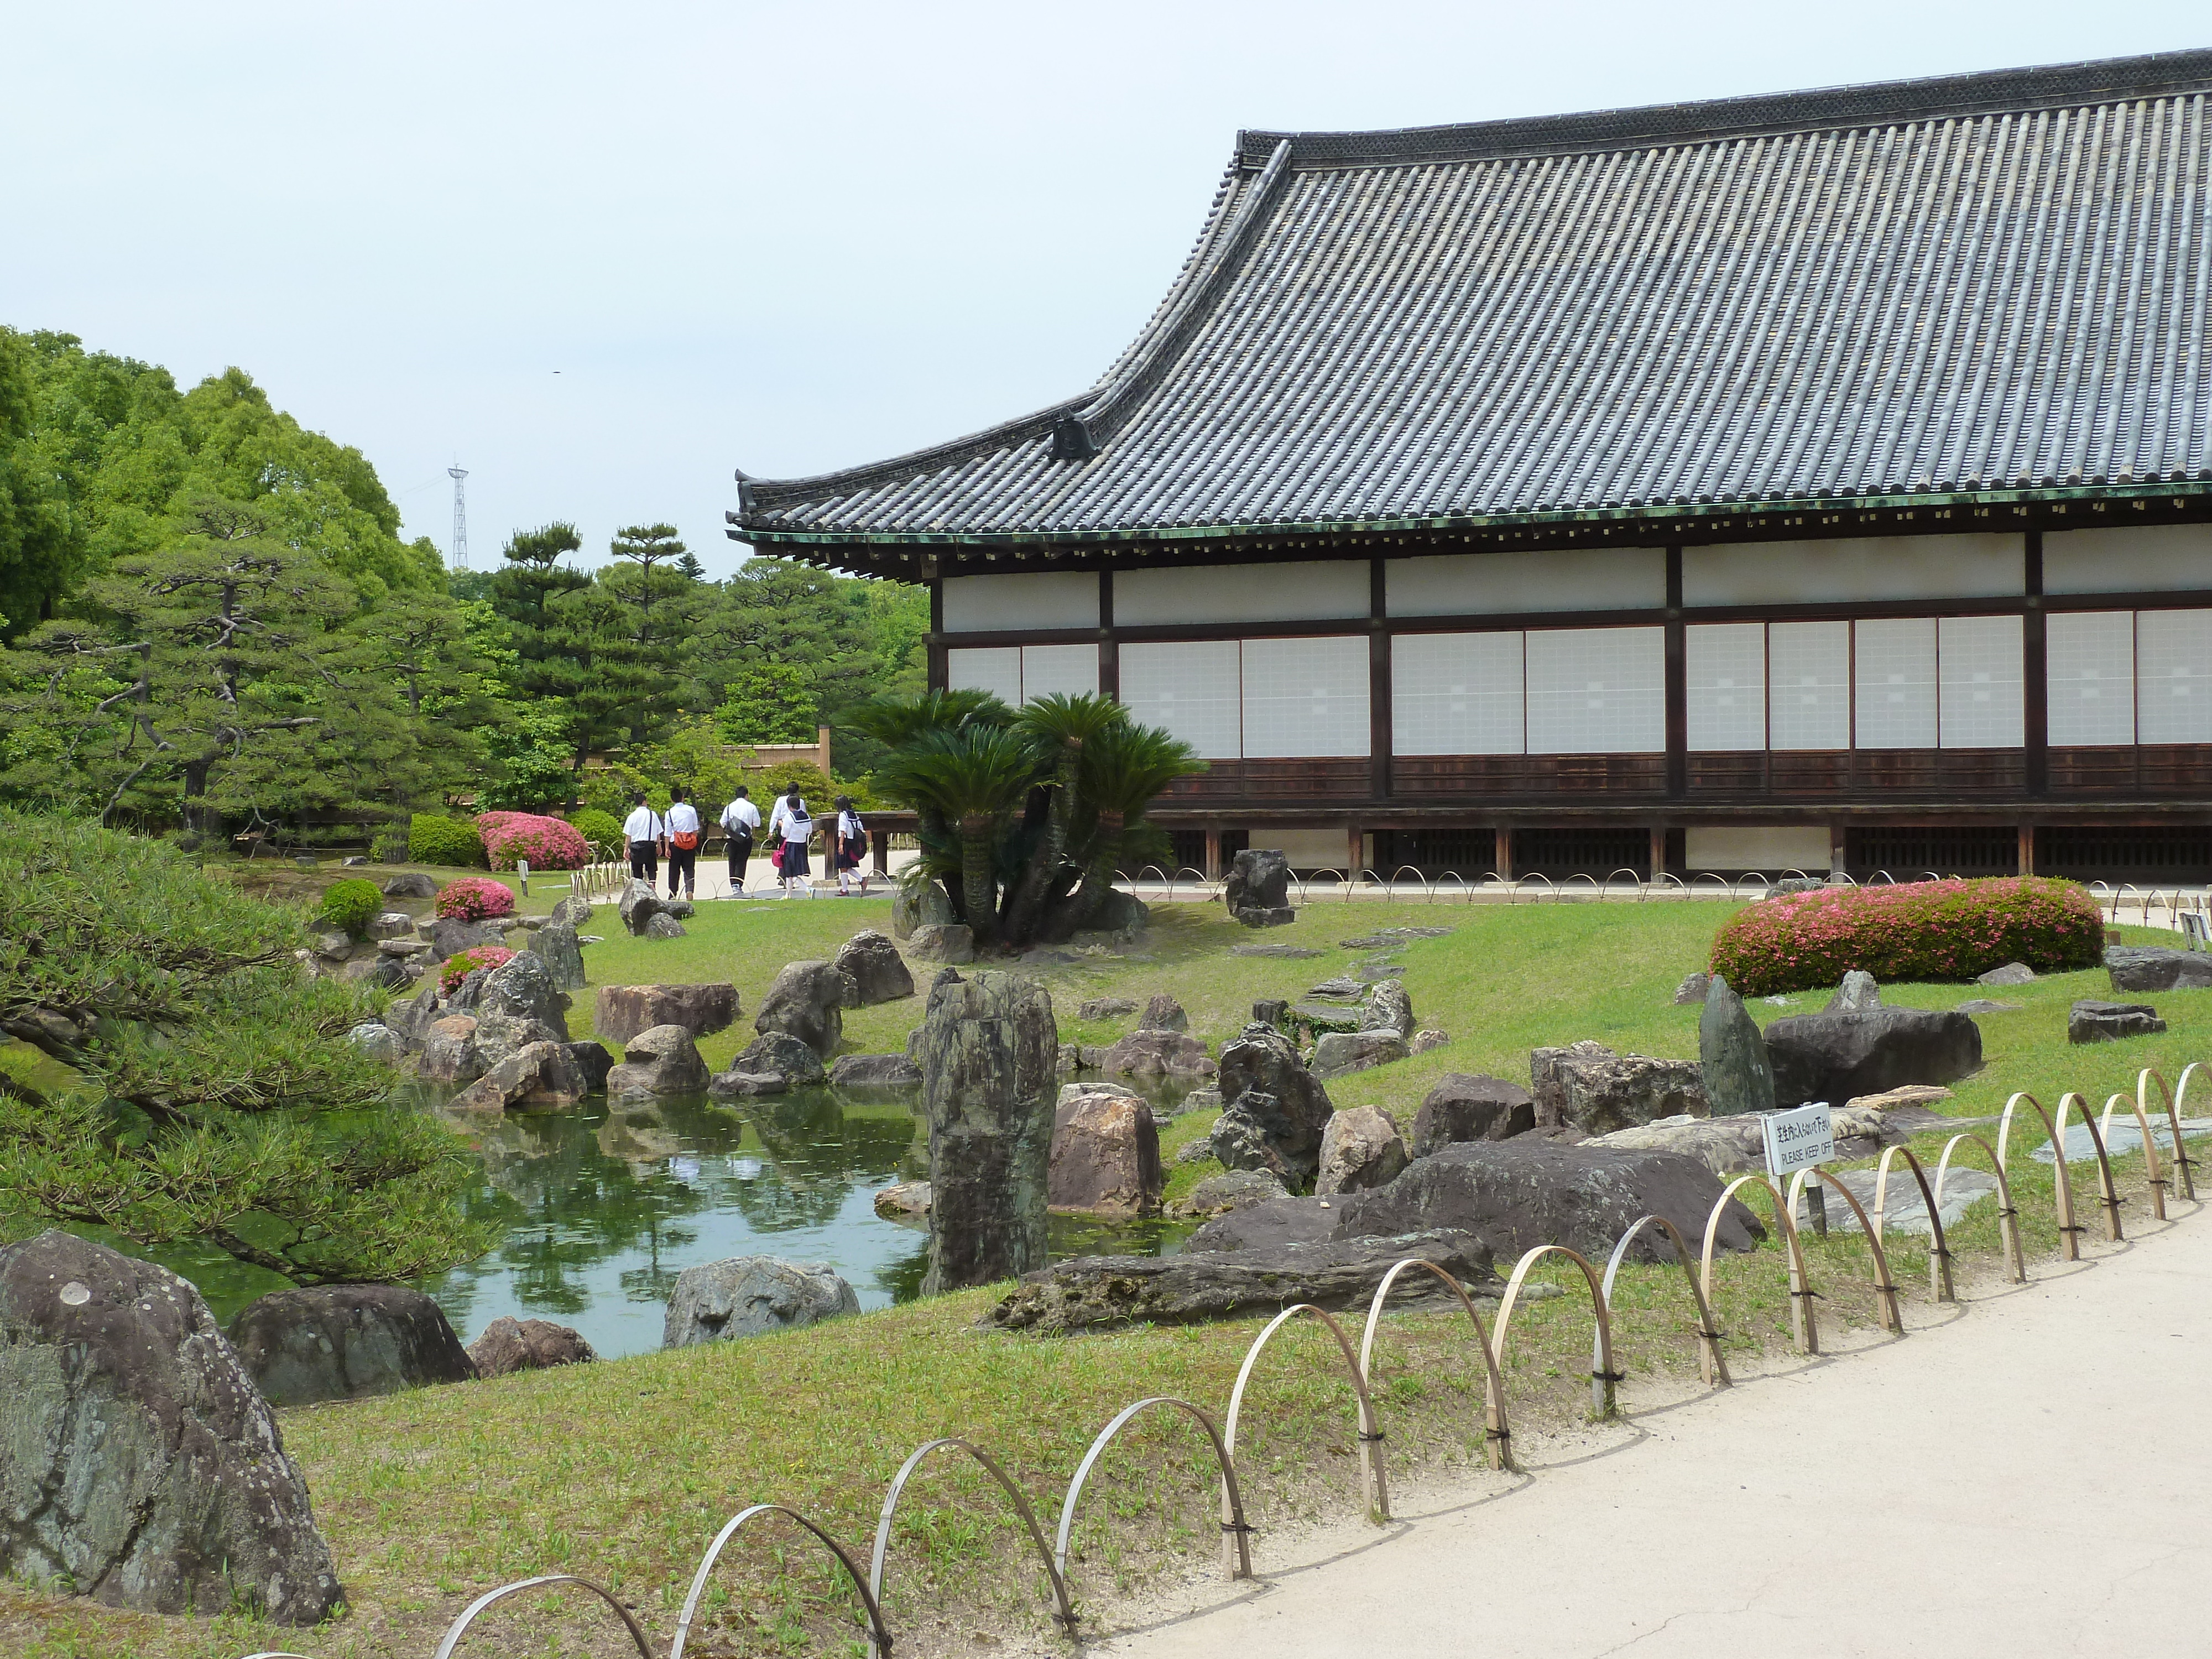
1839 1057
1857 994
806 1001
918 904
518 1004
1732 1055
1258 890
988 1055
562 952
572 911
138 1461
1390 1008
347 1342
1262 1060
873 969
1360 1149
1105 1153
1163 1013
637 906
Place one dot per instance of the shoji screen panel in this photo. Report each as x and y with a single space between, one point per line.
1809 677
1306 697
1597 692
1980 704
1042 598
2173 676
2090 676
1194 690
996 669
1068 669
1456 694
1895 683
1726 666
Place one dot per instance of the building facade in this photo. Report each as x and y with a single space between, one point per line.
1815 481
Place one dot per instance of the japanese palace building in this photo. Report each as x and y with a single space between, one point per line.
1781 482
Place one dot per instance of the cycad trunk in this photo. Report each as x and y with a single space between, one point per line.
977 890
1104 845
1025 909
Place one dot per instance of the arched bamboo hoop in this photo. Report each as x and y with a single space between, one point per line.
2153 1175
1939 1248
1064 1617
1235 1527
460 1626
2185 1166
1711 1366
2110 1194
1605 1374
879 1639
1885 1282
1805 1329
2070 1229
2007 1213
1498 1436
1375 1490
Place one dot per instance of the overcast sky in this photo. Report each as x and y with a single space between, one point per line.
603 255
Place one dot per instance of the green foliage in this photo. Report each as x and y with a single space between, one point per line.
443 841
1933 931
390 844
528 744
602 829
768 702
692 754
350 904
205 1077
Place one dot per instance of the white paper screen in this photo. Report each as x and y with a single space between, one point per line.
1192 690
1068 669
2090 674
996 669
1725 668
1456 694
1039 598
1306 697
1314 591
1597 692
1494 584
1981 703
1808 676
2173 676
1896 683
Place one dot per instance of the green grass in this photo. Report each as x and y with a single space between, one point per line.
622 1470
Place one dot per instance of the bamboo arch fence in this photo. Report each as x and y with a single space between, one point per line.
1489 1345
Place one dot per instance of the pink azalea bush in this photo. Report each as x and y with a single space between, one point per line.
548 843
459 965
1927 931
475 898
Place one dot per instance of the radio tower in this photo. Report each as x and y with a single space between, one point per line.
457 472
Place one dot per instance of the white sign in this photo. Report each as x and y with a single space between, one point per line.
1798 1139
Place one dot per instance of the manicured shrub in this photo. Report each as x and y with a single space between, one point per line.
350 904
459 965
1929 931
600 829
475 898
435 840
390 846
547 843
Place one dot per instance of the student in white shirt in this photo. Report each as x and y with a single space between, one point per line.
643 829
849 848
740 823
790 822
683 839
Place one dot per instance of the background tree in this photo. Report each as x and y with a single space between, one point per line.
640 617
769 702
199 1075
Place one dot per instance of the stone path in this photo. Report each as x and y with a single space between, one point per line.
2024 1478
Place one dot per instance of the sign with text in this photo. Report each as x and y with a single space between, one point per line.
1798 1138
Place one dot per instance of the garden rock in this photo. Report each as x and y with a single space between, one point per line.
623 1011
1089 1292
537 1077
1271 1011
779 1054
572 911
1257 890
347 1342
806 1001
1107 1008
663 925
1163 1013
139 1464
662 1059
1269 1225
1515 1195
1985 1005
413 883
905 1201
510 1344
1105 1156
1835 1057
751 1295
1692 990
1296 952
449 935
379 1042
1262 1061
562 953
735 1082
875 1072
1732 1062
1343 986
1589 1087
390 924
1339 1054
1471 1107
1121 913
874 971
2153 967
1321 1018
637 905
2110 1022
950 942
1360 1149
1219 1194
1196 1151
593 1060
918 905
449 1051
522 989
1157 1054
1858 994
1424 1041
1390 1008
987 1057
2013 973
1198 1100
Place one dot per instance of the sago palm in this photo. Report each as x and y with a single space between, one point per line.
1123 769
900 722
975 777
1059 728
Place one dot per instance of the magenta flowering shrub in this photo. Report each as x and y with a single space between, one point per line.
459 965
1927 930
548 843
475 898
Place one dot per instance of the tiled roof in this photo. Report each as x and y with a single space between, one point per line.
1977 282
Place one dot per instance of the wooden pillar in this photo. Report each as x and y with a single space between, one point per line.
2028 849
935 639
879 843
1110 647
1379 741
1355 857
1658 853
1505 851
1213 852
2035 684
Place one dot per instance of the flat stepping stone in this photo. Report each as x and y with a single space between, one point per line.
1328 1016
1372 971
1963 1189
2126 1137
1984 1006
1342 986
1292 951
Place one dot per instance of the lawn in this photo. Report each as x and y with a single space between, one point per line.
622 1470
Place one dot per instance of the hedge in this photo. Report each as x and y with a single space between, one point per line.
453 841
350 904
475 898
1927 931
601 829
548 843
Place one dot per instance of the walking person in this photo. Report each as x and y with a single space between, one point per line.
740 823
644 830
683 838
790 823
849 837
